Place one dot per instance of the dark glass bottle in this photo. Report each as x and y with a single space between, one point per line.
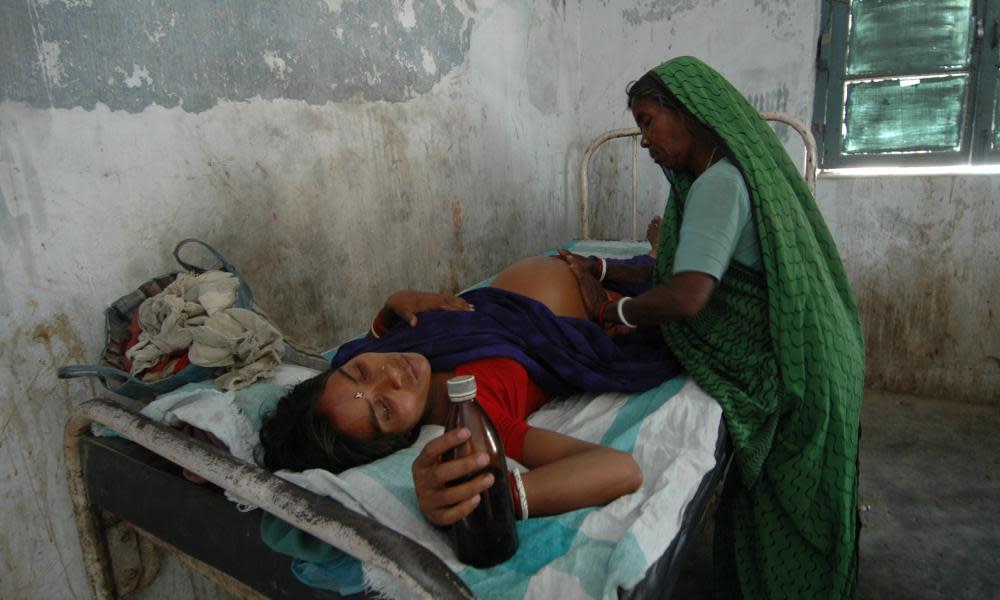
486 536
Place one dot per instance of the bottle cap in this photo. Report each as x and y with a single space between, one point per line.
462 388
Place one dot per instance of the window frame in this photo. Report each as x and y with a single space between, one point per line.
979 105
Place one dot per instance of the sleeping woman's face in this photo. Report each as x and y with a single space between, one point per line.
376 393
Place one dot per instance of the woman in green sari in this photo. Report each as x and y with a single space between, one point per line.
751 297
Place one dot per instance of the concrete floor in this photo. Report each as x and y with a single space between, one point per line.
930 492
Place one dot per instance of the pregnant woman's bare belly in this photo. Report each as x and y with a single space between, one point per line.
546 279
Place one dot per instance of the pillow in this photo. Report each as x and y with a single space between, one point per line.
234 417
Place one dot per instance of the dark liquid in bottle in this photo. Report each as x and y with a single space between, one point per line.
487 536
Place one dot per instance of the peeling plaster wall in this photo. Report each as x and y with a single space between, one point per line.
337 150
335 153
129 55
922 256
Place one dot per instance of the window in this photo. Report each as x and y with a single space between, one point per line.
907 83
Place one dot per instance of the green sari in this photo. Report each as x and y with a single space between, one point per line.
782 352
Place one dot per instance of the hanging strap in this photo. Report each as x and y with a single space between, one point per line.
72 371
244 294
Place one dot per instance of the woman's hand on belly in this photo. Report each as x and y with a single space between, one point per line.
590 265
407 304
593 294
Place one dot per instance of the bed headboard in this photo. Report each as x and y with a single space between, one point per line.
633 132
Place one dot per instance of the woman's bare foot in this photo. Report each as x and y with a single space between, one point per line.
653 235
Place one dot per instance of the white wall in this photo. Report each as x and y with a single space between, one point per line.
327 205
922 256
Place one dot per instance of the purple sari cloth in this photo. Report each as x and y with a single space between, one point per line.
562 355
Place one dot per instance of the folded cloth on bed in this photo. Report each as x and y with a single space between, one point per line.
232 417
196 313
671 430
214 411
562 355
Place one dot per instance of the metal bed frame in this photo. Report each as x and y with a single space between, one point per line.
96 468
201 527
808 141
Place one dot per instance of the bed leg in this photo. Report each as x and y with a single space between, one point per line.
88 522
418 570
134 561
234 587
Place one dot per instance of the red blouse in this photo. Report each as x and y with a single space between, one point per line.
508 396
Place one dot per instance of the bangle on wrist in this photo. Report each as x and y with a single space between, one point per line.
621 314
515 498
520 498
599 272
379 325
601 309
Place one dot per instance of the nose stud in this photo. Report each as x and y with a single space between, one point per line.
359 394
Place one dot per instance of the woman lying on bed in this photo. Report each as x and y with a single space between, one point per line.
525 339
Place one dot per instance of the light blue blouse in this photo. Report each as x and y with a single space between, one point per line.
717 224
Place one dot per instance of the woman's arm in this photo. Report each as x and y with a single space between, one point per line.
405 305
568 473
613 272
629 273
682 296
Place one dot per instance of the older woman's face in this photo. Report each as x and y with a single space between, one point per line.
377 393
664 133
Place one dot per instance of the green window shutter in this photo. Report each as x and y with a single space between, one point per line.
996 112
909 36
908 82
896 115
986 142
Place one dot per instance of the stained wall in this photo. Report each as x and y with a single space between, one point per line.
337 150
922 255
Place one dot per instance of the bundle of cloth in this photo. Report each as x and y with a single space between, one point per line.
194 320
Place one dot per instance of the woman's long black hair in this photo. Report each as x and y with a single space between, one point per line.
298 437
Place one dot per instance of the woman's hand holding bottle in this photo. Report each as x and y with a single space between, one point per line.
443 504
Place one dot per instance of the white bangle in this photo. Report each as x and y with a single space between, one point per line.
520 494
375 335
621 315
604 268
